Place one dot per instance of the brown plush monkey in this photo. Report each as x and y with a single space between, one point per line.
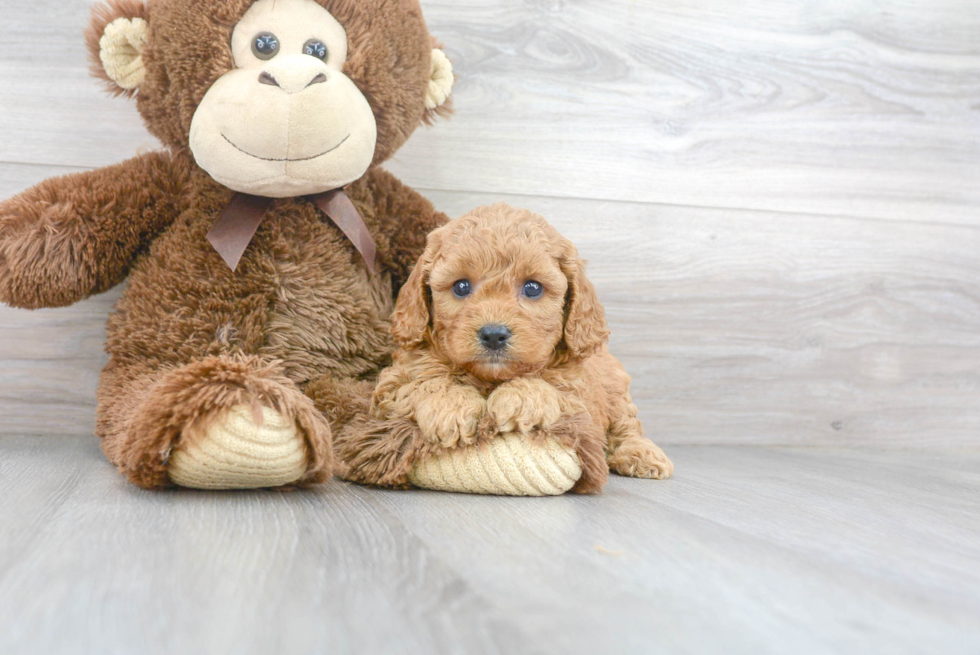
258 294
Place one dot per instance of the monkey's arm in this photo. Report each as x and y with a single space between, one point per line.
400 220
74 236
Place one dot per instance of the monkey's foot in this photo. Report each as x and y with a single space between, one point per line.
240 450
509 465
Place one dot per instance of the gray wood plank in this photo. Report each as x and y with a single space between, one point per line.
90 564
856 108
745 327
695 569
798 326
746 550
805 500
737 326
853 108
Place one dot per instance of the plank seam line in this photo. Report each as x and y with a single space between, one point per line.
809 214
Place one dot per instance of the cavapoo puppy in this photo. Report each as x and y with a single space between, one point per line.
499 332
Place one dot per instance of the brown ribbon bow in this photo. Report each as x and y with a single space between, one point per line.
238 223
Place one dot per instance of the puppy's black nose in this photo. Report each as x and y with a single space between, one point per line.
494 337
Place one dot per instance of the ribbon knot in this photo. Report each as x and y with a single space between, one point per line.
240 220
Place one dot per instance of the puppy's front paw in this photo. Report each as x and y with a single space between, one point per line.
641 458
451 417
523 405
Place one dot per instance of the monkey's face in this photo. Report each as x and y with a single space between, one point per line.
276 98
286 121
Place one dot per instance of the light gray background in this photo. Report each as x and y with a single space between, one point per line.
781 206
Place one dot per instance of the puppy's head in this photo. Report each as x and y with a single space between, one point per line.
500 294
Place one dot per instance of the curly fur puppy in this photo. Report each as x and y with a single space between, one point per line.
499 331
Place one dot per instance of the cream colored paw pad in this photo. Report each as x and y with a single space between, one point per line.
235 452
510 465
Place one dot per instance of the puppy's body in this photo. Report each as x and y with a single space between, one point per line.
499 331
604 389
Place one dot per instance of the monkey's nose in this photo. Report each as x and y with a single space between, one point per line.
319 79
266 78
292 80
494 337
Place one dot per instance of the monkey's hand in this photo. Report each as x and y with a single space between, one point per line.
70 237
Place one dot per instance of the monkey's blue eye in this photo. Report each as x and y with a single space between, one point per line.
315 48
533 289
265 45
462 288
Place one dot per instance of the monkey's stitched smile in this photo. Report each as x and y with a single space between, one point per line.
326 152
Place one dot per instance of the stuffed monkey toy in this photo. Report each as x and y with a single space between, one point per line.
263 247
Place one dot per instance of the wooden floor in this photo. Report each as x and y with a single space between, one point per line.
748 550
780 202
781 207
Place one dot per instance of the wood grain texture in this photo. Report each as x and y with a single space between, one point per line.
844 108
857 108
737 326
747 550
781 210
749 327
213 572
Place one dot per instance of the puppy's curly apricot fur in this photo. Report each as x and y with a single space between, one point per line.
500 331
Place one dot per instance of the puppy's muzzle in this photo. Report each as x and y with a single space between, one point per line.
494 337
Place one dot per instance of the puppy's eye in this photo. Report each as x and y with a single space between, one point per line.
533 289
462 288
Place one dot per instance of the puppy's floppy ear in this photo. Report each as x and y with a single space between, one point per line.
410 320
585 321
116 37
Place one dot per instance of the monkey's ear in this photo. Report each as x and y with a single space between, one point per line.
115 37
438 100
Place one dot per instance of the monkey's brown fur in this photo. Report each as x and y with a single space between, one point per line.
556 378
299 322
